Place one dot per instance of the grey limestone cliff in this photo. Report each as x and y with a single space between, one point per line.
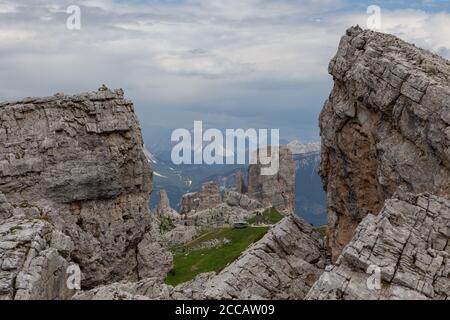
385 127
409 244
77 162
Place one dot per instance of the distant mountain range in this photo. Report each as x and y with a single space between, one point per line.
178 180
298 147
310 198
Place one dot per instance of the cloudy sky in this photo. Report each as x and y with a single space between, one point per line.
230 63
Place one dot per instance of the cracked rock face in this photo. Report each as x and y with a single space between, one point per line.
79 162
154 258
409 243
384 127
33 259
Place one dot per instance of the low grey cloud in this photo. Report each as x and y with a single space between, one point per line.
246 63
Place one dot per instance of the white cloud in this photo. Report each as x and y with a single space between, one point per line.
217 53
426 30
7 7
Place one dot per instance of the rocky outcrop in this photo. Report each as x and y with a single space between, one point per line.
163 209
77 161
154 258
284 264
239 182
237 199
146 289
33 258
261 191
180 234
276 190
219 216
409 244
385 127
208 197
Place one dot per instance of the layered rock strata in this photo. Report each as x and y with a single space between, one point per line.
385 127
403 253
79 162
208 197
34 259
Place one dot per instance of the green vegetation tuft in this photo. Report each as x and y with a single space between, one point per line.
188 265
42 214
44 217
14 229
166 225
323 230
271 216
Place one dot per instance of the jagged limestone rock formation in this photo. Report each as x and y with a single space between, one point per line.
263 191
237 199
219 216
239 182
385 126
284 264
78 162
208 197
163 209
409 243
276 190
